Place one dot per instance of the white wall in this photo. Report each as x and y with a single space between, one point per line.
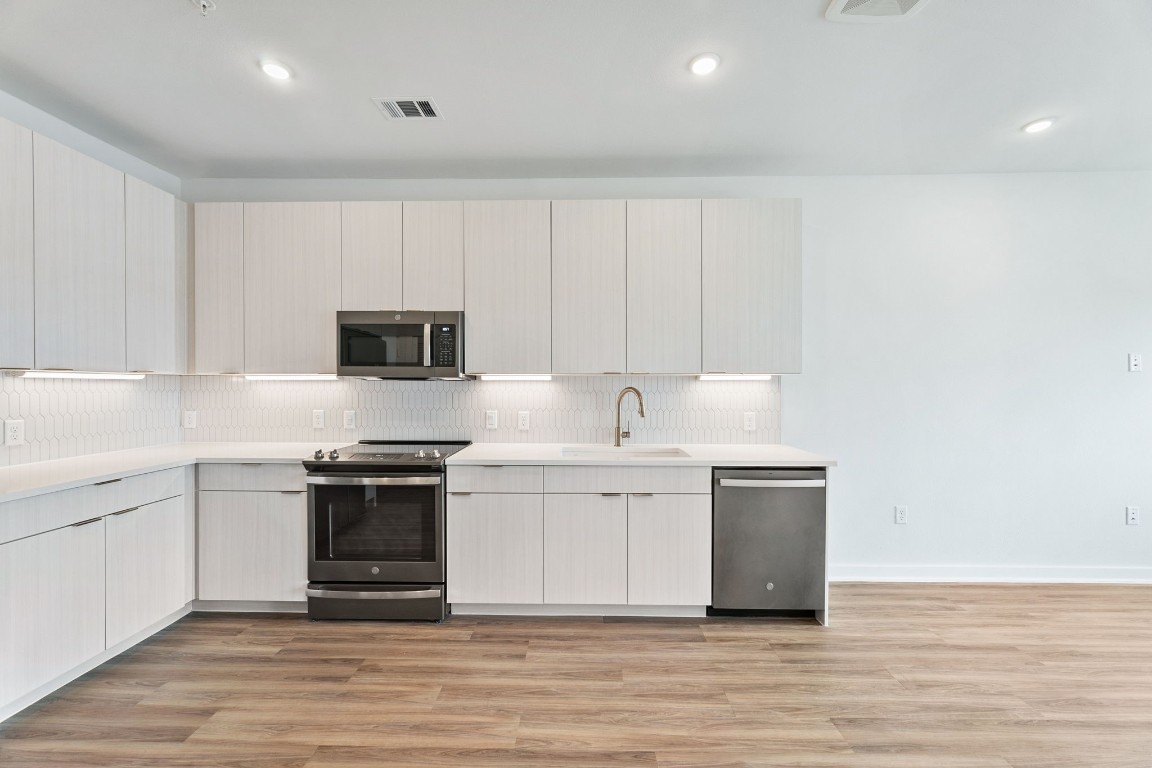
964 355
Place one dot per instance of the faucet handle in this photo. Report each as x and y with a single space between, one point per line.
625 433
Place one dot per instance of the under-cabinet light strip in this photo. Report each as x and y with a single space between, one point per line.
77 375
290 377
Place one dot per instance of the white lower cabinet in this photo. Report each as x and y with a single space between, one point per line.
669 549
253 545
145 566
585 549
51 606
495 548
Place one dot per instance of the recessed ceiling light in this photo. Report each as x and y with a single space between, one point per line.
1036 126
275 70
704 64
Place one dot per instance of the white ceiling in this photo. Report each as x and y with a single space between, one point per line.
579 88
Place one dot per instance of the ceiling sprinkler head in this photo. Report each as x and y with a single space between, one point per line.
204 6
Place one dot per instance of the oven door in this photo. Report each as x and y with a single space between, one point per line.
378 527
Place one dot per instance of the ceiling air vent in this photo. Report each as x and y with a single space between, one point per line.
403 109
872 10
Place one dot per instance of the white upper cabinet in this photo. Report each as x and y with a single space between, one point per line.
218 234
664 286
17 307
150 287
589 286
371 256
291 287
434 256
79 237
751 286
507 286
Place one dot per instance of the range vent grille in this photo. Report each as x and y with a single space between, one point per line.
405 109
872 10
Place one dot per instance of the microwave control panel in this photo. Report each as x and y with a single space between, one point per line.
445 345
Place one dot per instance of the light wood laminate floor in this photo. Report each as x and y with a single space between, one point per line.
940 676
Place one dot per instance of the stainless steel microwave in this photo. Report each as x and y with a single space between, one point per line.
401 345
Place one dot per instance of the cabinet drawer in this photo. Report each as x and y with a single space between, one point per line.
495 479
251 477
36 514
608 479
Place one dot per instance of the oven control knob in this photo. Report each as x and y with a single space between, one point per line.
375 570
319 454
435 453
335 454
420 454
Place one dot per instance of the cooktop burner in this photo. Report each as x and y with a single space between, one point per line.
384 455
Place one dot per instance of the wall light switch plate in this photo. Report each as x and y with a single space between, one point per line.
14 432
491 420
349 419
318 419
1135 362
749 421
189 420
522 421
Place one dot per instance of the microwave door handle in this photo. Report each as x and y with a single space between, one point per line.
427 345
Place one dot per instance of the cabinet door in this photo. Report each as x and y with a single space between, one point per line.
51 606
495 548
17 309
218 235
253 545
291 287
664 286
371 256
585 549
79 231
150 287
751 286
669 549
145 568
589 286
434 256
507 286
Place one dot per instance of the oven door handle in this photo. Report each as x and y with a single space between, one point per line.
374 480
413 594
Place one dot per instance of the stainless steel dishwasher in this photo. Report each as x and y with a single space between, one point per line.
768 539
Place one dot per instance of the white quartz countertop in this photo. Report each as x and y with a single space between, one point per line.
697 455
32 479
24 480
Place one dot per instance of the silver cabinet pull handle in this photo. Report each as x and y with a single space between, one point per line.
87 522
611 494
109 482
327 480
641 494
291 492
414 594
126 511
732 483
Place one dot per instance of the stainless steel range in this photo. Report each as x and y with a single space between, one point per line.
376 530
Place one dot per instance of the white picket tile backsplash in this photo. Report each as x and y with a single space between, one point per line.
67 417
567 409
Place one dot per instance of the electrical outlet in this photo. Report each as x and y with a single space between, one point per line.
189 419
14 432
1135 362
349 419
1132 515
522 421
318 419
491 420
901 515
749 421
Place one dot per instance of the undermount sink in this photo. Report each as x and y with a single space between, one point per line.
624 452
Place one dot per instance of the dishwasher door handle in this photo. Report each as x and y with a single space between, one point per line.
734 483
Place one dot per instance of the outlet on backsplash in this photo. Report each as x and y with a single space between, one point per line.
318 419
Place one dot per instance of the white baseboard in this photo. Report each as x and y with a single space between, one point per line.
249 606
980 574
532 609
34 696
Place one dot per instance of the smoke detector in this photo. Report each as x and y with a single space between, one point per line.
872 10
405 109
